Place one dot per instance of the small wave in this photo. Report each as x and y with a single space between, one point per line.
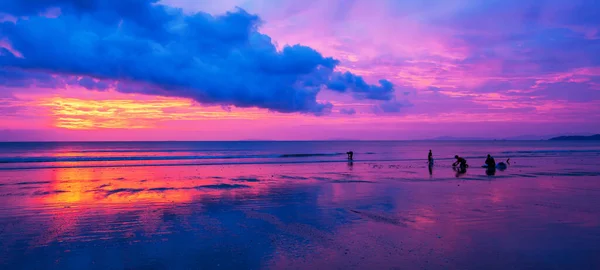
281 161
44 193
150 150
120 158
311 155
48 159
551 151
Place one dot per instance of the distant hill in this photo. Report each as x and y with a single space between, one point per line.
584 136
518 138
577 138
531 137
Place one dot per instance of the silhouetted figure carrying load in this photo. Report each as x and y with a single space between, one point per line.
350 155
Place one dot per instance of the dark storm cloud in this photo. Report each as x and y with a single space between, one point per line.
140 46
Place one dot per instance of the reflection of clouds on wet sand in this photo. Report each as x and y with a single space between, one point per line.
295 216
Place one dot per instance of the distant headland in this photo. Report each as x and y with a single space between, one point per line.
577 138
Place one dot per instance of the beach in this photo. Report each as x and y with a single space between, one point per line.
299 205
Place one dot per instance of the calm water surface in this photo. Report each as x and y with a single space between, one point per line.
298 205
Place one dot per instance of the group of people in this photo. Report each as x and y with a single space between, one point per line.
461 163
459 160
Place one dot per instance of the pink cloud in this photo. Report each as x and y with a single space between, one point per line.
453 61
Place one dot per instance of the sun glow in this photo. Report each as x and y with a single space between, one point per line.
85 114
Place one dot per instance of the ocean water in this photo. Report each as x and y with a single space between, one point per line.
299 205
125 154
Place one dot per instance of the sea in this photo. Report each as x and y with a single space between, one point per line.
299 205
30 155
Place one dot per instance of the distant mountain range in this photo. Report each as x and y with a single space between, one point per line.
561 137
577 138
516 138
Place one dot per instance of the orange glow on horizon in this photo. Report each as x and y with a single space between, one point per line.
87 114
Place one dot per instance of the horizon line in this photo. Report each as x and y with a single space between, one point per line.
325 140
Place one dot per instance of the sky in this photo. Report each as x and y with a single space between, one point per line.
297 70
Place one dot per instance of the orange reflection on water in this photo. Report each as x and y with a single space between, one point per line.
75 197
138 186
121 185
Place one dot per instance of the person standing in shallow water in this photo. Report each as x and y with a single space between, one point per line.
430 158
490 162
350 155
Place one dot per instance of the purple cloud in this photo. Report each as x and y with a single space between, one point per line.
391 107
348 82
350 111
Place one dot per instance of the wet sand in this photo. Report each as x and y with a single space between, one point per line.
381 215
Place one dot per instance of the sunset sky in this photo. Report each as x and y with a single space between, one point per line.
297 70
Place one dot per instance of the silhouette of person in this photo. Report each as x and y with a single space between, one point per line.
430 158
350 155
490 162
461 161
430 169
